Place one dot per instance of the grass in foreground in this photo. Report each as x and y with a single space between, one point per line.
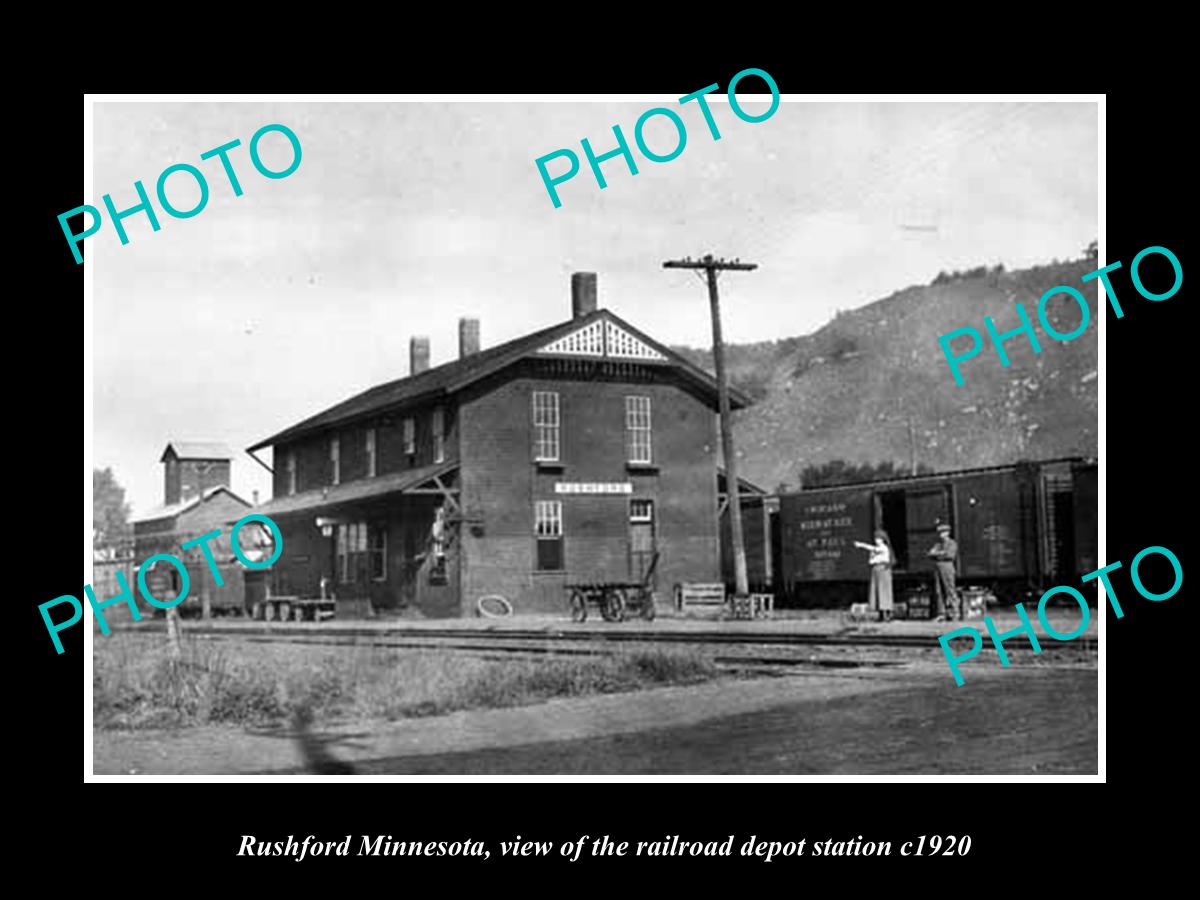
136 683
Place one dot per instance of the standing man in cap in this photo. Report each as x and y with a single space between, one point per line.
945 560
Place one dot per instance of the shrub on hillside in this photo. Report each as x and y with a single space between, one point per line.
838 472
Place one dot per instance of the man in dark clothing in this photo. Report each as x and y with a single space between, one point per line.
945 560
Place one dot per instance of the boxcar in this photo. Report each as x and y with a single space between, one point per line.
1020 529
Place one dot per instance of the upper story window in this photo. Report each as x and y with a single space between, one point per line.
410 437
439 434
545 426
335 460
290 465
371 453
637 429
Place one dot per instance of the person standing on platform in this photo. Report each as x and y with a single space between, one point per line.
881 559
945 563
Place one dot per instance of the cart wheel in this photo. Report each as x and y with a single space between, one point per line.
578 607
648 606
614 604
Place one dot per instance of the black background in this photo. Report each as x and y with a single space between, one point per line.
191 833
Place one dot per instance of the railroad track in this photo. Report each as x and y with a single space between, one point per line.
742 663
748 663
748 649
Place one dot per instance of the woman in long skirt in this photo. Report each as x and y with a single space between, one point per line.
880 560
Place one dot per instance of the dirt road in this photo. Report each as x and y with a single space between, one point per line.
1024 725
1016 721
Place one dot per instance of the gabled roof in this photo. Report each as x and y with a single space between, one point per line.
197 450
457 374
163 512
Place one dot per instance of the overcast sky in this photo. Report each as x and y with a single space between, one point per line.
265 308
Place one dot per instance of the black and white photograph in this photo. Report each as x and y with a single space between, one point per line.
743 434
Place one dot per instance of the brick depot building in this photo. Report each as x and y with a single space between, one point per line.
570 454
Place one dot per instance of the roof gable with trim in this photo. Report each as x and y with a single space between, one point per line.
602 338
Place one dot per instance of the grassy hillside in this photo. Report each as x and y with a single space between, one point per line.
848 390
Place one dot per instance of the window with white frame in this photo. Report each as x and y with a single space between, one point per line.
545 426
371 453
548 528
351 548
637 429
641 510
335 460
410 437
291 471
439 434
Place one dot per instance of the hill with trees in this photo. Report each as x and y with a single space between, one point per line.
872 388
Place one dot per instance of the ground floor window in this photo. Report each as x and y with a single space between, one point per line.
548 527
355 551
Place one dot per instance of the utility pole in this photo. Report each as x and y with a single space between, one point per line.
711 267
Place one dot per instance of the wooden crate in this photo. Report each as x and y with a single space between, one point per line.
708 598
762 606
919 604
975 601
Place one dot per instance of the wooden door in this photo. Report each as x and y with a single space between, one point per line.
641 538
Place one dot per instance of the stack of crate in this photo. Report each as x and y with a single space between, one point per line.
917 604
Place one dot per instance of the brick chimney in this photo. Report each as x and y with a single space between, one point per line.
468 337
418 354
583 294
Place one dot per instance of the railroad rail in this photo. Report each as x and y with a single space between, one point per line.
729 648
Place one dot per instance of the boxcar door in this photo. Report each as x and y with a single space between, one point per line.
924 508
1057 524
891 514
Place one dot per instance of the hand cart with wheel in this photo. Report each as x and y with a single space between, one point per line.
614 598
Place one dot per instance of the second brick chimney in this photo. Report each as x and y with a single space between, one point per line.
468 337
418 354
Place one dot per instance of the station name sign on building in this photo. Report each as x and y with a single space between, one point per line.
593 487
